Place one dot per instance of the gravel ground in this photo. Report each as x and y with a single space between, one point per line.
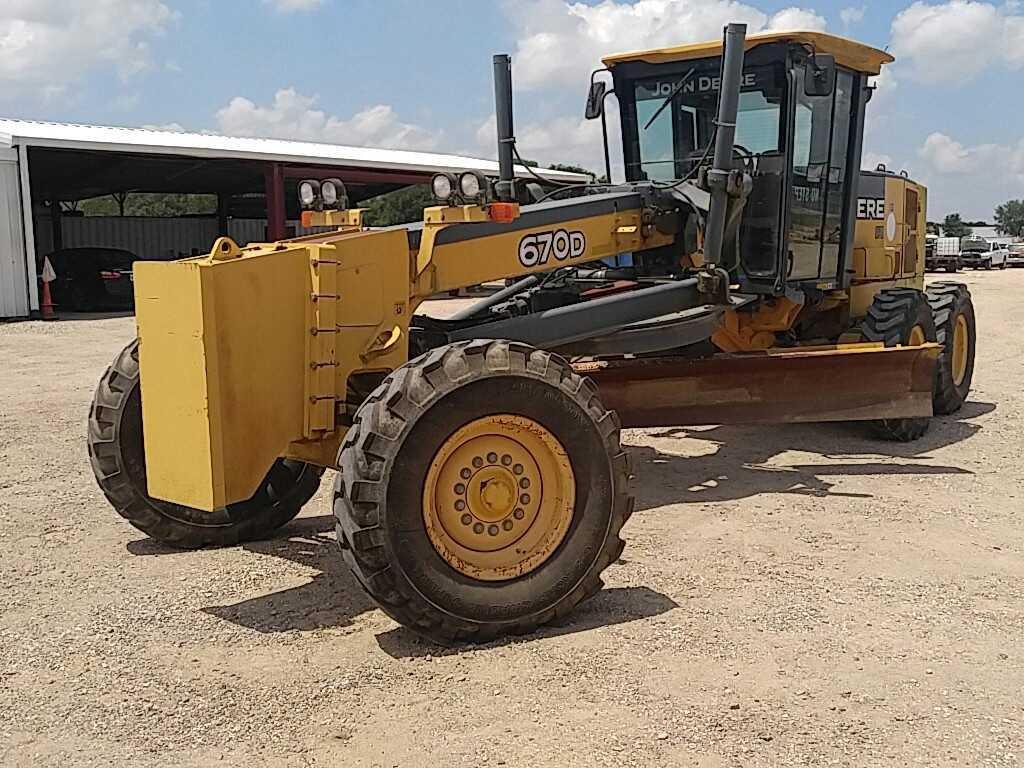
798 595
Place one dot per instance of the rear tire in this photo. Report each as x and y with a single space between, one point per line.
117 454
952 307
895 318
384 494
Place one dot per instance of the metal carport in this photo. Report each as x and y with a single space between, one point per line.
44 164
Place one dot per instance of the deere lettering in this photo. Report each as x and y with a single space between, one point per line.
870 208
700 84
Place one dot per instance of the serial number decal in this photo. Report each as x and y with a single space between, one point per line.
559 244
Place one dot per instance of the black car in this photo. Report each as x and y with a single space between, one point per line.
93 279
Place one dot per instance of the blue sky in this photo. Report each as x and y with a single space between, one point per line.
417 74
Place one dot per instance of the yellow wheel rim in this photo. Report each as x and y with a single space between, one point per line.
917 336
961 341
499 497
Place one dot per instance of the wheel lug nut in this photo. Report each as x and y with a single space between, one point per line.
524 499
518 469
460 505
506 460
518 514
467 519
507 525
478 462
524 483
478 528
492 530
461 489
492 458
466 473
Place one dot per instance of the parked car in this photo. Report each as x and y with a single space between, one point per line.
1015 255
93 279
997 257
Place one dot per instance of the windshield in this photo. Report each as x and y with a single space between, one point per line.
674 139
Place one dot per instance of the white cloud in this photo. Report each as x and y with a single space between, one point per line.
852 15
871 160
969 178
45 45
948 156
291 6
293 115
567 140
952 42
560 43
796 18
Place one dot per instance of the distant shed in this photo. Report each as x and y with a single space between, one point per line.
45 164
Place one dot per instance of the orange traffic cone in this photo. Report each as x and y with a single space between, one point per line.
47 303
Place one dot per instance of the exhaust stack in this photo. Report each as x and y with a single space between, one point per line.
725 136
505 189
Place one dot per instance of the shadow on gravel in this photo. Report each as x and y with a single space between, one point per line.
608 607
736 468
331 599
79 317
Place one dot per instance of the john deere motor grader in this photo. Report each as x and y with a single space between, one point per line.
746 271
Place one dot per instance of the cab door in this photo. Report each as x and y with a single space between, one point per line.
820 140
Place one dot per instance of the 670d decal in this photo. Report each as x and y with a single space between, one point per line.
537 249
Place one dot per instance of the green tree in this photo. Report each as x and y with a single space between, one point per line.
953 226
151 204
572 169
398 207
1010 218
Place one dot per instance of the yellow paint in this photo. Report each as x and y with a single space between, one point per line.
961 345
881 262
499 497
222 358
474 261
848 53
350 218
755 330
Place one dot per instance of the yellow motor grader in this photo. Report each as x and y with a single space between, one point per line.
746 270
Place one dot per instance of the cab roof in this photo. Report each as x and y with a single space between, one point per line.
848 53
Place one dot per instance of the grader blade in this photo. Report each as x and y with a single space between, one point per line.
850 382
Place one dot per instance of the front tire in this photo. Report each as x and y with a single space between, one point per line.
117 454
900 316
956 330
418 523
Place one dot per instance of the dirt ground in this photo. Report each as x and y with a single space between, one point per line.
798 595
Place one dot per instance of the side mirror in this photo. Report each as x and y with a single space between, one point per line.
820 75
595 99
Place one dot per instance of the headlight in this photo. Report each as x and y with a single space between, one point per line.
443 187
473 187
333 193
309 192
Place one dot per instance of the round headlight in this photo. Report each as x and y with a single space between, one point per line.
333 193
329 193
472 185
443 187
308 193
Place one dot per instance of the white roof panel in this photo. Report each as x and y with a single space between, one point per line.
146 141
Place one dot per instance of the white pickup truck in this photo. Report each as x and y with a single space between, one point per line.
979 253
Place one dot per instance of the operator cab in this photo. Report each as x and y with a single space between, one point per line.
799 132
